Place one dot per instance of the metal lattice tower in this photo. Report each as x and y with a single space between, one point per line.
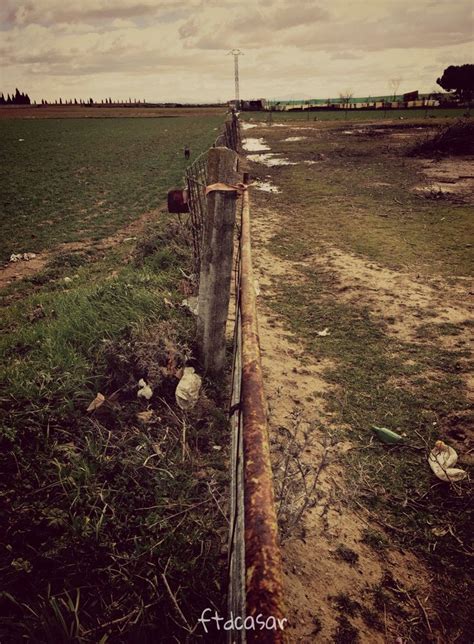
236 53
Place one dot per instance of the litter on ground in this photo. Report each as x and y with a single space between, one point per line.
144 391
386 435
187 391
441 460
18 257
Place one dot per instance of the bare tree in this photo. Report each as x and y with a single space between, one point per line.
346 97
394 84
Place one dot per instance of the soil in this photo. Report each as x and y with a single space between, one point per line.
338 586
448 178
314 573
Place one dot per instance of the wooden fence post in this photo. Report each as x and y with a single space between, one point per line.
216 261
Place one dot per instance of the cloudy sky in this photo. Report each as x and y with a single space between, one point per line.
175 50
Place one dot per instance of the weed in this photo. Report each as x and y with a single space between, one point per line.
295 479
455 139
346 605
375 539
317 625
346 554
345 633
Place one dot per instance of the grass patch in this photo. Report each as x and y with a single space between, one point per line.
395 484
375 540
353 115
353 201
97 507
346 554
113 516
82 179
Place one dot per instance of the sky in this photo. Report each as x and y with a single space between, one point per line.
176 50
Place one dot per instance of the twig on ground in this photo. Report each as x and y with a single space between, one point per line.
176 605
425 614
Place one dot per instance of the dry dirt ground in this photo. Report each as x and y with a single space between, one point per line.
339 586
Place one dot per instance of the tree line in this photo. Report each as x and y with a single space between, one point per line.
18 98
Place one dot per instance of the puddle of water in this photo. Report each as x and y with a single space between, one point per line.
270 160
266 186
255 145
248 126
309 162
295 138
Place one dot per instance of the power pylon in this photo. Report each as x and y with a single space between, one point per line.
236 53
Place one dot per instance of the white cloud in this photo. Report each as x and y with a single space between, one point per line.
161 49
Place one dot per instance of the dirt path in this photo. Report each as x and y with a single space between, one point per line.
337 587
15 271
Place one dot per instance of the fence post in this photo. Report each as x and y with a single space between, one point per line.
216 261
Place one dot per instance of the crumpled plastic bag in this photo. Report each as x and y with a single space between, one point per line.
187 391
145 391
192 304
441 460
18 257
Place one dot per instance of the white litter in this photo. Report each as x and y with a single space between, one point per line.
67 280
18 257
187 391
192 304
441 460
144 391
254 145
21 139
266 186
325 332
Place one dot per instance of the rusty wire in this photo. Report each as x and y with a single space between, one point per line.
196 181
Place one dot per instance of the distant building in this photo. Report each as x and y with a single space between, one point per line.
410 96
254 105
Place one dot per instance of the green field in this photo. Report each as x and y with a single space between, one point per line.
354 115
68 180
101 507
